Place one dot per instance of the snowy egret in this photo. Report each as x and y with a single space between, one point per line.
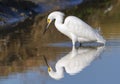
75 61
74 28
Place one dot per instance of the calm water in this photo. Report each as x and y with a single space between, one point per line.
82 65
88 65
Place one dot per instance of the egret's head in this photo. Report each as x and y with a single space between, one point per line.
54 75
54 15
49 69
51 17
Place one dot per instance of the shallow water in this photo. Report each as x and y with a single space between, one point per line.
22 59
88 65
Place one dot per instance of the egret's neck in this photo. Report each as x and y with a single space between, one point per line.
59 68
58 74
58 21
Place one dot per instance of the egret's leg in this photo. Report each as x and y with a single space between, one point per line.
74 39
73 42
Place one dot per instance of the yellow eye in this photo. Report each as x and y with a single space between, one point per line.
48 21
49 69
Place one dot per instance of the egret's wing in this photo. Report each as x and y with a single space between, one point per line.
82 59
79 28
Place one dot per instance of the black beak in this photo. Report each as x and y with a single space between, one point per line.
45 29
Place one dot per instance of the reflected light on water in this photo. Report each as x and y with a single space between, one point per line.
75 61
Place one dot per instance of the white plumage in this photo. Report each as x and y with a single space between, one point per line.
75 61
75 28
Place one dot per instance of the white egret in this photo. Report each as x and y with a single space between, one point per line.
75 61
74 28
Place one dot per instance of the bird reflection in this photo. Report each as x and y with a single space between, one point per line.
75 61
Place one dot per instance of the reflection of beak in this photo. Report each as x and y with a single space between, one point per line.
49 68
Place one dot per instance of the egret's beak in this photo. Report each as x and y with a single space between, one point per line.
46 27
49 68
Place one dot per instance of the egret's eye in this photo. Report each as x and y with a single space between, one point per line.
49 69
48 21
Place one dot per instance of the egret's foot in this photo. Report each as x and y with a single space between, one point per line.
101 44
80 44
